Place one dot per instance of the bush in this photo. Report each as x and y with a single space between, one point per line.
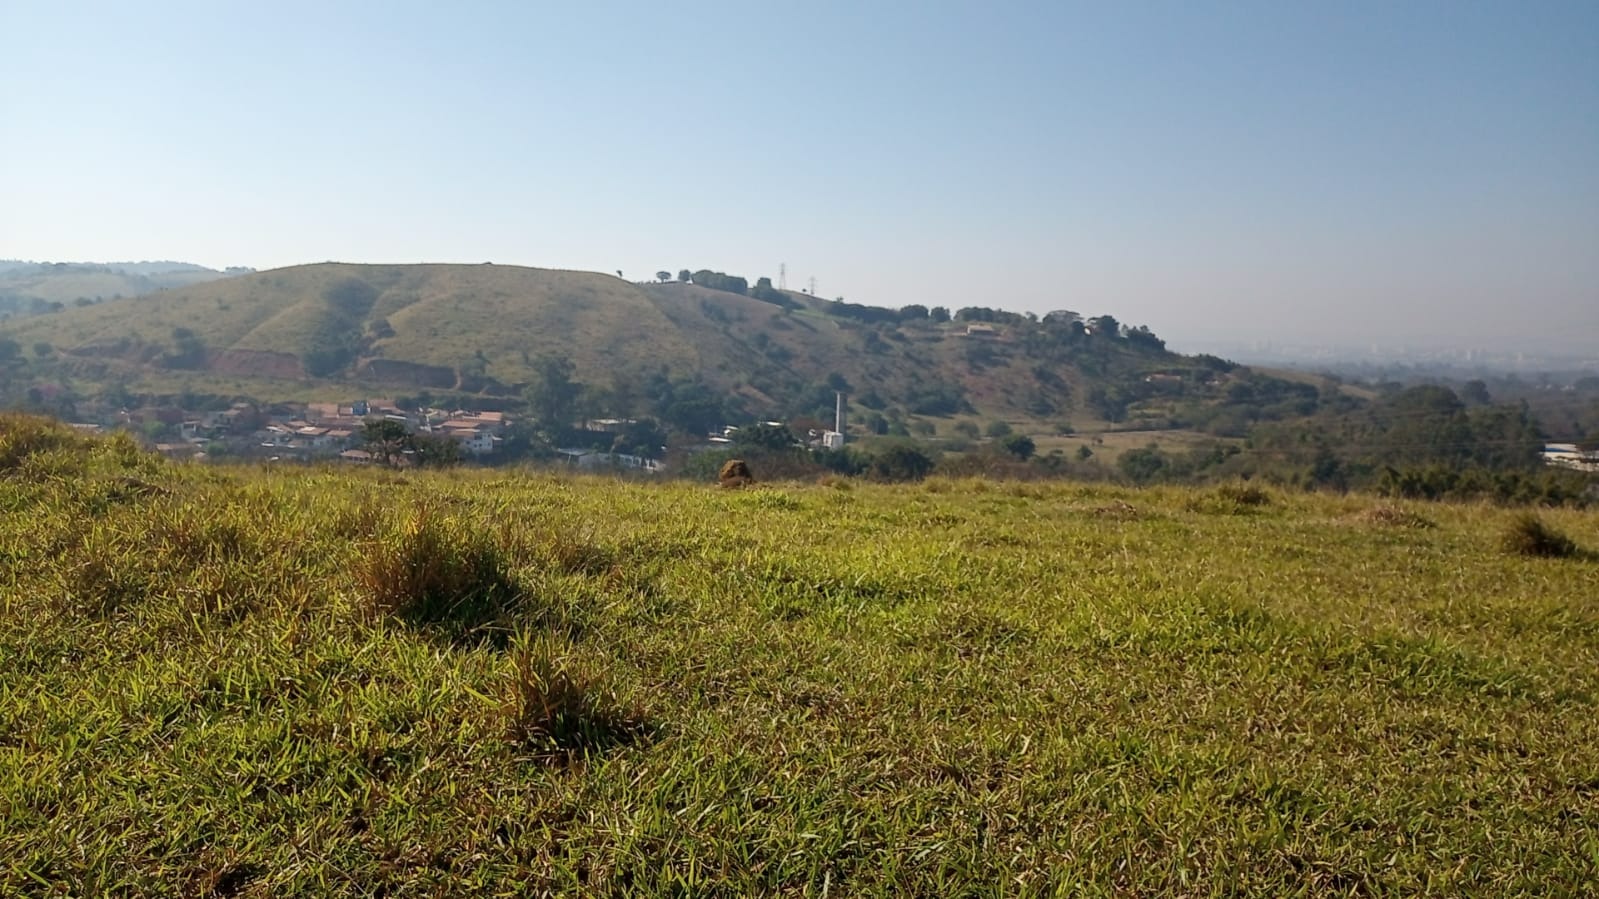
900 462
1527 535
1019 445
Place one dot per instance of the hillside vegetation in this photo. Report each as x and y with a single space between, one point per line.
260 681
487 329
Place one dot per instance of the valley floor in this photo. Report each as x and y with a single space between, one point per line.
309 682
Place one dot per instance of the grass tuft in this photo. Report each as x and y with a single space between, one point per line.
559 707
1390 516
1119 510
437 571
22 436
1243 494
1231 499
101 583
1527 535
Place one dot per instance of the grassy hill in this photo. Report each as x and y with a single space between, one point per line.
24 285
221 681
484 329
329 319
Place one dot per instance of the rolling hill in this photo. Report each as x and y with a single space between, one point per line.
30 288
484 329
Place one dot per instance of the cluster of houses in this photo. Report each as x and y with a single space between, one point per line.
307 431
590 459
1570 455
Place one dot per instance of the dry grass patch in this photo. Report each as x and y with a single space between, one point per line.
1231 499
1390 516
1118 510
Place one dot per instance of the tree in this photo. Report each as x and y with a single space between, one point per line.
1143 337
553 394
720 281
434 451
386 440
9 349
998 429
663 276
1475 393
1019 445
1105 326
189 351
644 438
42 349
938 314
685 275
116 395
764 291
765 436
1143 465
901 462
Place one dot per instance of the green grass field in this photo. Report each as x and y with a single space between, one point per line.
274 682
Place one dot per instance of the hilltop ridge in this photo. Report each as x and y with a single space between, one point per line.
486 329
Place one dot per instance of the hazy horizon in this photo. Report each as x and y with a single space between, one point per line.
1365 174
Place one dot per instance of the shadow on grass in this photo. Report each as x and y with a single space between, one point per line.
1528 535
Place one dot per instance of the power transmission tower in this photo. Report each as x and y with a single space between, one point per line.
782 276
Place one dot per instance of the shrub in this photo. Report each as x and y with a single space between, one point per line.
1527 535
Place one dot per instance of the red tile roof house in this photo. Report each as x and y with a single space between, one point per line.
477 438
495 421
313 438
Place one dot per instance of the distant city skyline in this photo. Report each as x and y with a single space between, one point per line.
1425 172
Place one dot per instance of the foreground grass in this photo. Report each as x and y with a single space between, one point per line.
254 682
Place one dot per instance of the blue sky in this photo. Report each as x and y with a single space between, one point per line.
1337 172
